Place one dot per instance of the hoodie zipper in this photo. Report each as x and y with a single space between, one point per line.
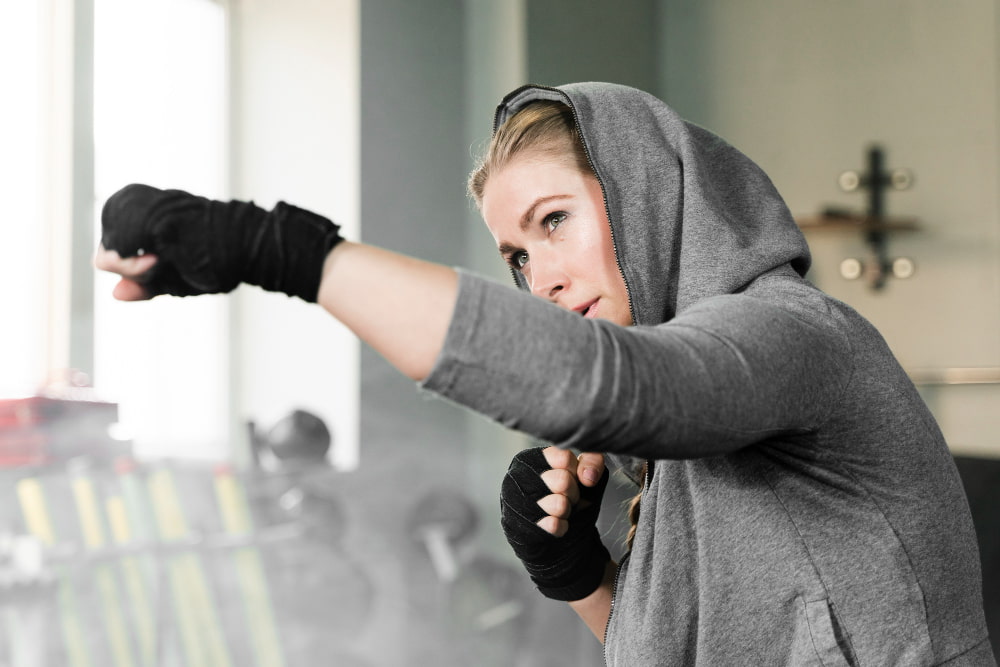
607 209
611 610
647 478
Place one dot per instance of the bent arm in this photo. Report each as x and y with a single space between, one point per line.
728 372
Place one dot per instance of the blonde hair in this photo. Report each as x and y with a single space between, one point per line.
634 507
541 129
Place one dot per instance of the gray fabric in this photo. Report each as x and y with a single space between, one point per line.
803 508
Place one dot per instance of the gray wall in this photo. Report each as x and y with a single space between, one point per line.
412 166
572 41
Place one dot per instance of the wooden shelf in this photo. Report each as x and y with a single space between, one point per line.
940 376
857 222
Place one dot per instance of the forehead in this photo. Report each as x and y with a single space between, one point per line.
512 190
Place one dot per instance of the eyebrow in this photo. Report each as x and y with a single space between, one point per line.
529 214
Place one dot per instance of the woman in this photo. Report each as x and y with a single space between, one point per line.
798 505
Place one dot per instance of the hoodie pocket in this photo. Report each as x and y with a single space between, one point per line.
827 645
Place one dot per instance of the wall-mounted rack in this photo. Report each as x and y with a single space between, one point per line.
874 224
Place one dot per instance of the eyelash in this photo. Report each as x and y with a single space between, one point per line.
546 222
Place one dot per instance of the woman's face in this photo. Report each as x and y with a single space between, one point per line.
550 224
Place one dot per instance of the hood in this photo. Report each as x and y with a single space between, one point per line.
691 216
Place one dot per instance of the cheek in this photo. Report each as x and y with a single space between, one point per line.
606 248
594 258
610 271
589 241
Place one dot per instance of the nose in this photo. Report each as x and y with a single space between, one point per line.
548 279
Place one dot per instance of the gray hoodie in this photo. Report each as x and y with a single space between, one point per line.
802 507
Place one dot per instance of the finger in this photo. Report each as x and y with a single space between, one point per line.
562 482
560 458
590 467
128 267
556 505
553 525
129 290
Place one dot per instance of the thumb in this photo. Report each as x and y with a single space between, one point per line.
590 468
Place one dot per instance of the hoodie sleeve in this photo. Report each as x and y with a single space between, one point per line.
728 372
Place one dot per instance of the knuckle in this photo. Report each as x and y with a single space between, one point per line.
558 480
549 524
553 526
559 458
556 505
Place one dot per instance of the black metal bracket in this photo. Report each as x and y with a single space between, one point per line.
876 181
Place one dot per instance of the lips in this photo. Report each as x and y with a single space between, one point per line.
588 309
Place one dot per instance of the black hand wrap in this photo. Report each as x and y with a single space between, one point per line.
566 568
205 246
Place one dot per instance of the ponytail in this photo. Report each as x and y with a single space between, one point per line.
633 507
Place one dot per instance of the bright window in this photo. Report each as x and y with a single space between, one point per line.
186 373
160 90
23 257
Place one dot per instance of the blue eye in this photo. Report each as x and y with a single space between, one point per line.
519 259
